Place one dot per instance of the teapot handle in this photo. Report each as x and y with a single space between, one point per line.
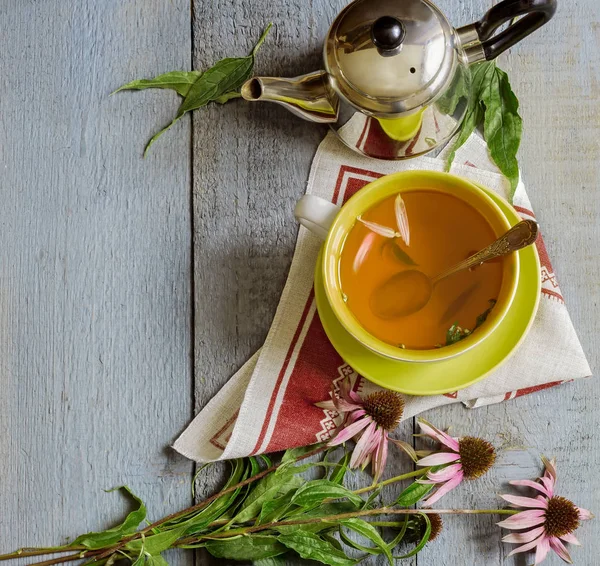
488 46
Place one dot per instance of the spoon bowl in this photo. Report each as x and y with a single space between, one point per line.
402 294
407 292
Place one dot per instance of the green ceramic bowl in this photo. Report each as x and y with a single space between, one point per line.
381 189
454 373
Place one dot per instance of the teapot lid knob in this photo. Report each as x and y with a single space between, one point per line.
388 33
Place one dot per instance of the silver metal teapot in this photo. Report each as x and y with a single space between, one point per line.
396 82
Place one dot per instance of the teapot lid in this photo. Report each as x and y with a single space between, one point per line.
390 56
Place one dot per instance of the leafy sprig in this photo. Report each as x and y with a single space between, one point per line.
220 83
494 107
264 512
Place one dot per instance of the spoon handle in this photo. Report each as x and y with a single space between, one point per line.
519 236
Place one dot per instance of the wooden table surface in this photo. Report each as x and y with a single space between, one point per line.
131 289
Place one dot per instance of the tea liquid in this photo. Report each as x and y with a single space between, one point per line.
443 231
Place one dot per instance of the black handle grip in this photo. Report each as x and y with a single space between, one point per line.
536 13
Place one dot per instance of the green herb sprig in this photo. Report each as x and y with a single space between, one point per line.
270 514
456 333
220 83
494 107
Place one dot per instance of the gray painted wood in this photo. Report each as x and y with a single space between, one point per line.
95 278
98 291
251 163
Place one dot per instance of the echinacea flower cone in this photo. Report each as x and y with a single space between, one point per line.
368 421
468 458
548 520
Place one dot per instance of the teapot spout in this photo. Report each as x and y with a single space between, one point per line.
308 96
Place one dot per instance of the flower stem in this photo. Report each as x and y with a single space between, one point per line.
27 552
107 552
337 518
395 479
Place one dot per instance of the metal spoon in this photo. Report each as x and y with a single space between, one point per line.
409 291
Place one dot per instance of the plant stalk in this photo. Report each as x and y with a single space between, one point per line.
106 553
351 515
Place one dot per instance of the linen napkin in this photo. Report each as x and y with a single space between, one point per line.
268 405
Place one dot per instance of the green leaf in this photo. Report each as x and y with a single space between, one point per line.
179 81
483 316
281 560
273 509
323 510
197 521
111 536
200 469
223 77
155 544
474 115
399 253
157 560
423 541
368 531
315 491
413 493
455 334
292 454
371 498
332 540
246 547
502 126
455 93
269 487
339 472
312 547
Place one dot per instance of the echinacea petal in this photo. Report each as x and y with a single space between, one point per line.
378 228
406 447
402 219
349 431
380 458
328 405
550 466
444 489
362 445
584 514
560 549
526 502
548 484
444 474
532 484
525 547
528 536
438 435
524 520
355 415
571 538
347 394
542 550
438 459
344 406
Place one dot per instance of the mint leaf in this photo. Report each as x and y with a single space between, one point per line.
503 126
315 491
312 547
413 493
215 84
112 536
246 547
368 531
179 81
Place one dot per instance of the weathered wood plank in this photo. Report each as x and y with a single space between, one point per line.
555 74
95 267
251 164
